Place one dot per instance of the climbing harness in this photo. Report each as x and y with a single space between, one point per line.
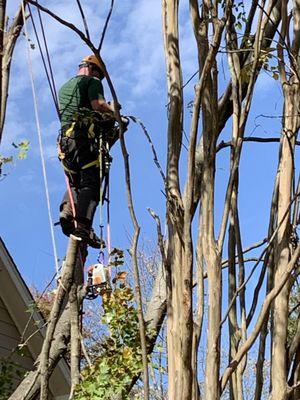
100 131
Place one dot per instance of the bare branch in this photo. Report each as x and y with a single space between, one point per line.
83 19
264 309
138 293
62 21
272 238
106 25
294 387
256 139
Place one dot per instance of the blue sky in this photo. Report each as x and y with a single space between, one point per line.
133 52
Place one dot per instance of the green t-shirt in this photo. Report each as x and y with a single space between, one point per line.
77 94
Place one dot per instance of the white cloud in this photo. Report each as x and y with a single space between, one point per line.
133 48
15 128
136 52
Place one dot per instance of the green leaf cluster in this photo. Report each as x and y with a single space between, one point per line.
116 257
22 148
9 371
265 58
121 358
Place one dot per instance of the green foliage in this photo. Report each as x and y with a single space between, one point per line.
265 58
116 257
8 371
121 357
240 16
4 161
22 148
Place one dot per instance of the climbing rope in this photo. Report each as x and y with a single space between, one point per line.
52 87
101 255
40 142
108 218
104 165
49 74
48 58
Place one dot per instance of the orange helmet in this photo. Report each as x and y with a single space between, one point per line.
92 59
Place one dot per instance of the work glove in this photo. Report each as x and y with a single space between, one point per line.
125 123
115 106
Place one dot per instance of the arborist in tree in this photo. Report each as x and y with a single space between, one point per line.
84 113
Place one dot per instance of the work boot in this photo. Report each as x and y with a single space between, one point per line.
66 219
88 235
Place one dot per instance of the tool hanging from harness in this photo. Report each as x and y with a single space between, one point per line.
98 280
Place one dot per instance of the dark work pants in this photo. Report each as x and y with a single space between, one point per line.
84 183
85 187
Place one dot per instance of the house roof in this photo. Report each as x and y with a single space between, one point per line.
17 299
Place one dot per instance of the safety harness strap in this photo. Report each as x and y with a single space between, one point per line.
68 169
70 130
91 164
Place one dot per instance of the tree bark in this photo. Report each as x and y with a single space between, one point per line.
75 338
282 251
62 292
29 388
7 44
213 264
179 355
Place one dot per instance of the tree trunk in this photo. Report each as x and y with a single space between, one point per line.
8 41
282 252
179 255
213 264
29 388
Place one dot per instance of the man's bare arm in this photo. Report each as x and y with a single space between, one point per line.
102 106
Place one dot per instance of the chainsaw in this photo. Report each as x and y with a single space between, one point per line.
98 281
